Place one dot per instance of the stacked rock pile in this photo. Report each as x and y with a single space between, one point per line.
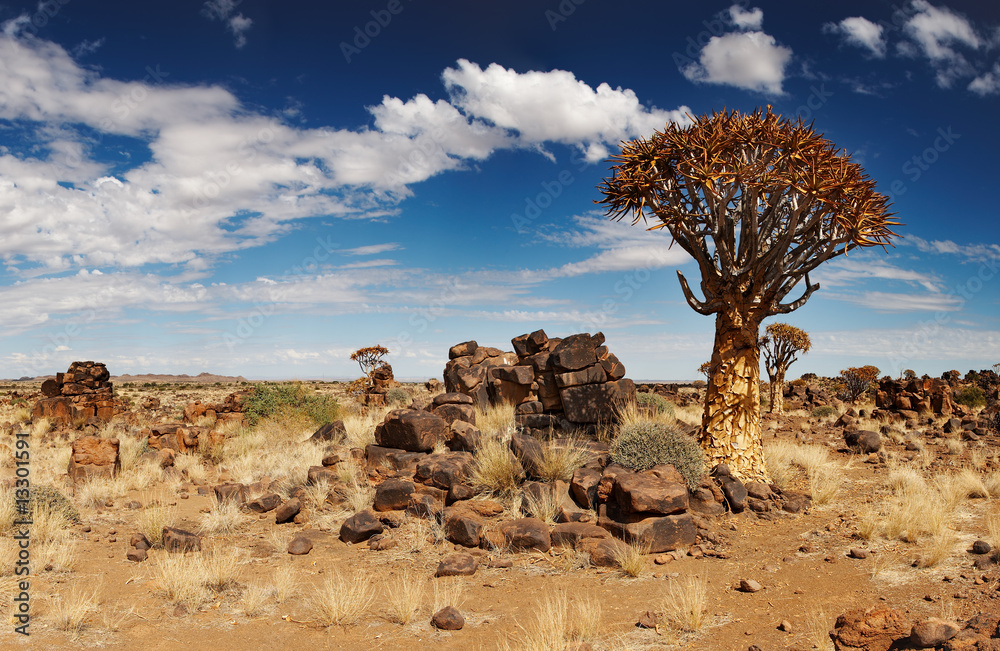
82 392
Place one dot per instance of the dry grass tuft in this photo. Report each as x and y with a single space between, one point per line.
818 626
404 596
153 517
223 568
685 603
542 504
448 592
496 470
631 558
255 598
560 458
73 609
180 576
496 420
225 518
559 622
343 599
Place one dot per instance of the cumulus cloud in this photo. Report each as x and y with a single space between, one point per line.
860 32
554 106
937 32
225 11
221 178
751 60
744 19
987 83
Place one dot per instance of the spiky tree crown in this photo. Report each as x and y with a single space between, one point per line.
759 201
781 343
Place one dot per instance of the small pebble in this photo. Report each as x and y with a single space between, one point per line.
785 626
749 585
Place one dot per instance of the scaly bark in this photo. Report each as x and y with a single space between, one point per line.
777 379
731 424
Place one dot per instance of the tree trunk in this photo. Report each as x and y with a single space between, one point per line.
731 424
777 392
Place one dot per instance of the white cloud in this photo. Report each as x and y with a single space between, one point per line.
898 302
237 23
553 106
987 83
851 270
860 32
222 178
648 256
750 60
372 249
750 20
935 32
973 252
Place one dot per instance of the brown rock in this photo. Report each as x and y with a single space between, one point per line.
876 629
462 527
178 540
287 511
572 534
265 503
584 487
604 552
137 555
443 470
462 349
237 493
932 632
659 533
460 564
300 545
749 585
448 619
526 534
647 493
648 620
393 495
575 352
592 403
93 456
330 432
411 430
360 527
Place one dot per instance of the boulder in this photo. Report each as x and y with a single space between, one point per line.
452 413
330 432
287 511
932 632
572 534
575 352
300 545
92 456
528 451
526 534
393 495
875 629
464 437
265 503
448 619
462 526
178 540
659 533
593 403
360 527
443 470
462 349
411 430
459 564
647 493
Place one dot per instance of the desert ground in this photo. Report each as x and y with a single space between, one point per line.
891 529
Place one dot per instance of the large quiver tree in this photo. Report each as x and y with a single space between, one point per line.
781 344
758 201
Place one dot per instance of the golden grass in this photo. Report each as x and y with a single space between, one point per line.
153 517
448 591
496 420
953 446
937 550
359 495
495 469
360 426
255 598
222 568
818 627
785 460
558 622
684 605
73 609
631 558
180 577
59 556
404 594
225 518
542 504
343 599
561 458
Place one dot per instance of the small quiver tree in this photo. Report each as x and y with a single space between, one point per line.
781 344
369 359
758 201
855 382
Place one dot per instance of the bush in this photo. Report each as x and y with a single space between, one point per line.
970 397
269 399
398 396
50 499
654 403
824 410
642 445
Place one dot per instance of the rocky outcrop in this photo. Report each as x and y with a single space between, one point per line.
93 456
81 393
229 409
555 384
912 398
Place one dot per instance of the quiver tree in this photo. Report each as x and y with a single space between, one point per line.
781 344
758 201
369 359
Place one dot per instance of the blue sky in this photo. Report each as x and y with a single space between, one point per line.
261 188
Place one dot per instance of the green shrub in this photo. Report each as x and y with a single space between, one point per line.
645 444
398 396
269 399
823 411
52 500
655 403
970 397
